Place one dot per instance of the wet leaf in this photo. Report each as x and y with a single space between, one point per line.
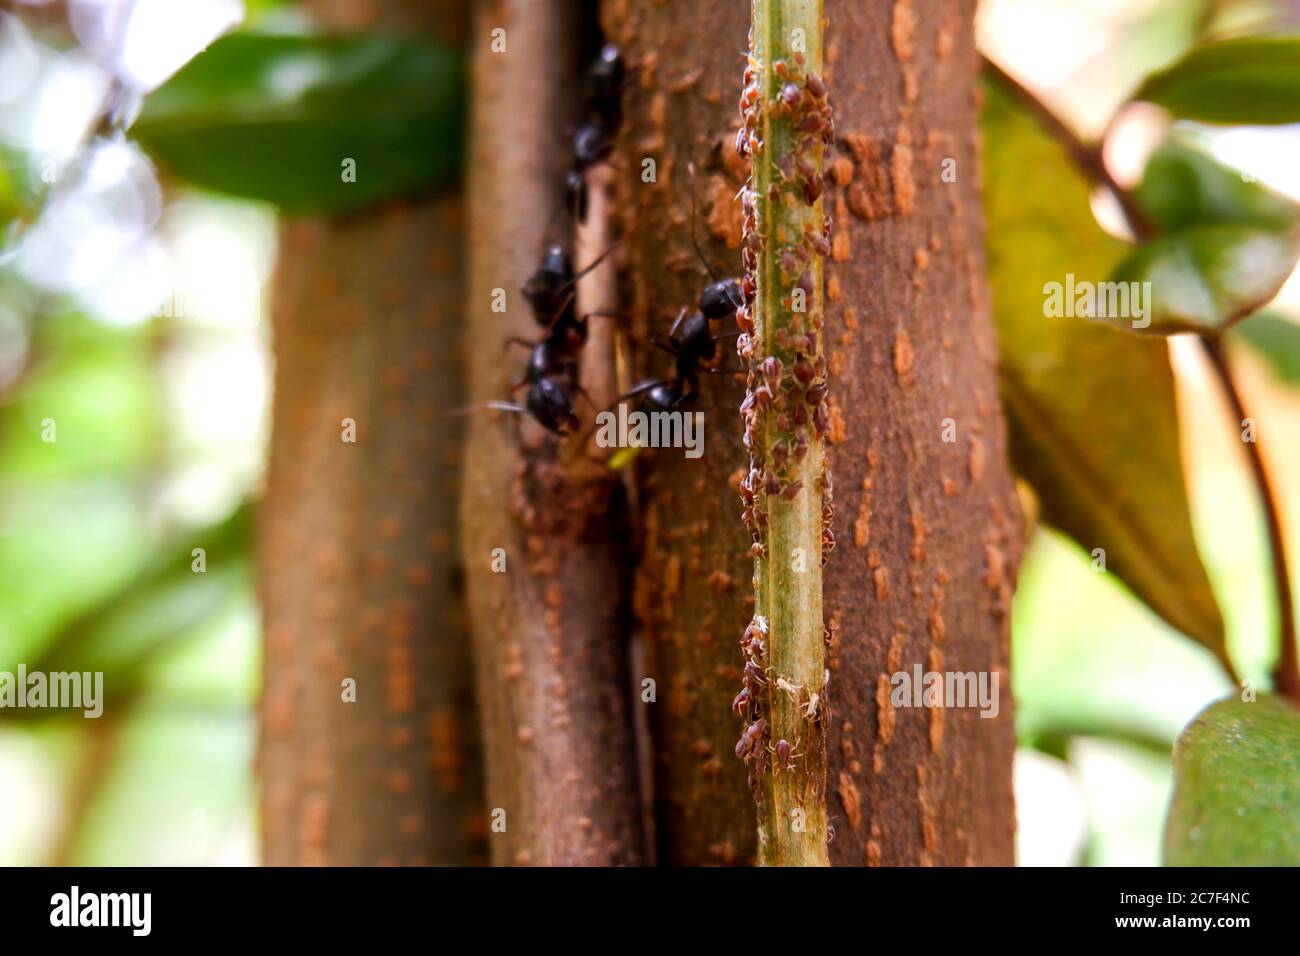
286 119
1094 427
1202 279
1242 80
1183 187
1237 787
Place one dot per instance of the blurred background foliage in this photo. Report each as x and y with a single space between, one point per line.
133 315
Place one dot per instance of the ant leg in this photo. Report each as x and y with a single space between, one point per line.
591 265
677 324
694 241
640 388
617 317
516 340
661 344
683 400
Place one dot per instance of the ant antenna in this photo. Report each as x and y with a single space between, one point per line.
486 406
595 262
694 241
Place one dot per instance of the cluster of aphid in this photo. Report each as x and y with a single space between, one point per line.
748 704
787 386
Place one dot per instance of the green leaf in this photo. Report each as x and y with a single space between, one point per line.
275 118
162 606
1203 279
1183 187
1237 787
1277 339
1243 80
1093 422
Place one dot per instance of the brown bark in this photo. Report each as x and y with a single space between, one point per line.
693 593
927 529
360 575
550 631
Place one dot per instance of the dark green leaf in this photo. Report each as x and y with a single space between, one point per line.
1275 338
1092 416
1183 187
1237 787
1202 279
275 118
1243 80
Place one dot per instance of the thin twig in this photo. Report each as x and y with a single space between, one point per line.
1286 674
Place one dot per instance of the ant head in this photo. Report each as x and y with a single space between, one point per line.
721 299
550 404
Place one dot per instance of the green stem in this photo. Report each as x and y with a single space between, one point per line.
787 123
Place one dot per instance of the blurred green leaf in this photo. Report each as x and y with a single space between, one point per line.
1277 339
1205 278
19 197
1183 187
1093 422
1242 80
164 603
275 117
1237 792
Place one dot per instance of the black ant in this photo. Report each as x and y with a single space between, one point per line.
691 341
552 372
593 140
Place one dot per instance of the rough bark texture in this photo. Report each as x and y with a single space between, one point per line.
551 630
359 568
693 593
927 529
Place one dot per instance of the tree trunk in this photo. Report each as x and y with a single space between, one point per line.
693 593
360 575
543 527
927 528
